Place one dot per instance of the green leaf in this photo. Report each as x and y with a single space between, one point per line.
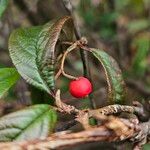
3 6
33 122
33 51
116 85
8 77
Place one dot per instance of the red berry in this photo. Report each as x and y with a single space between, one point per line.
80 88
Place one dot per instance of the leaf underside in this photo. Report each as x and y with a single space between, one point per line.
8 77
33 122
33 51
116 85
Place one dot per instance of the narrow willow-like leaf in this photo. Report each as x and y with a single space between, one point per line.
116 85
3 6
8 77
33 122
32 52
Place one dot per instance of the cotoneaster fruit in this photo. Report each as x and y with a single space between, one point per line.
80 88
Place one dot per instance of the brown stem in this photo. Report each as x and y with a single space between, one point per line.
71 48
58 74
79 43
62 107
112 109
84 55
112 130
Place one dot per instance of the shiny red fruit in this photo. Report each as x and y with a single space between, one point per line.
80 88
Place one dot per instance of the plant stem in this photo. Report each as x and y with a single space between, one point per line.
84 55
71 48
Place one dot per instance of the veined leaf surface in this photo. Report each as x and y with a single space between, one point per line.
36 121
33 52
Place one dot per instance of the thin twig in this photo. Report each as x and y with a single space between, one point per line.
84 54
112 109
71 48
62 107
58 74
78 43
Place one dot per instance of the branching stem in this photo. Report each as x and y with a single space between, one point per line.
84 54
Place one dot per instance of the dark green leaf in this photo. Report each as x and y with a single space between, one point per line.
116 86
3 6
8 77
31 123
33 51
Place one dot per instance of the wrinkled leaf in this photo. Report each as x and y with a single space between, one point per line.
31 123
116 85
33 51
3 6
8 77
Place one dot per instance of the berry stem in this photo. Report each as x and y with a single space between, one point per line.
78 43
71 48
61 70
84 55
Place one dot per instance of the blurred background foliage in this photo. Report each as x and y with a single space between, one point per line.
120 27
